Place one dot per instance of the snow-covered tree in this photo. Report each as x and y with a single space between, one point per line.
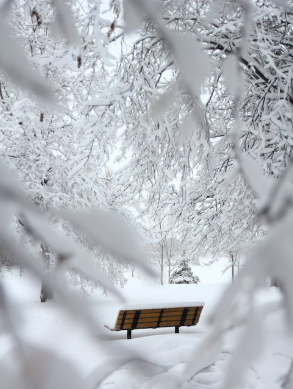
182 274
162 241
173 135
46 146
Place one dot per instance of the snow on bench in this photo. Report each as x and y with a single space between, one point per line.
140 316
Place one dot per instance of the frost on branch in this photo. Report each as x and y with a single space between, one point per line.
14 63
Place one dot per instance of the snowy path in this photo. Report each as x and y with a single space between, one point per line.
163 353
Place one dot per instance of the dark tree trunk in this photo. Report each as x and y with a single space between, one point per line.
162 265
233 267
46 291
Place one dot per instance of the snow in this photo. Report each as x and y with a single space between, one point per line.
162 305
153 358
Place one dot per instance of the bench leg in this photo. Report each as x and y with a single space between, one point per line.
128 334
177 330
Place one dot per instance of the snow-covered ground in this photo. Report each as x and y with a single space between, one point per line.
156 358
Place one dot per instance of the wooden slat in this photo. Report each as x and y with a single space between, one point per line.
150 310
141 326
155 311
129 313
192 310
157 314
142 310
146 312
169 318
188 322
129 322
165 314
153 324
149 315
191 313
150 324
172 310
173 318
126 327
159 309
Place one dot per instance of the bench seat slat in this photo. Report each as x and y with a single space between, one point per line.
165 315
170 320
149 325
146 313
142 326
155 311
156 318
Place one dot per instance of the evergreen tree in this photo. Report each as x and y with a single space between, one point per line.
183 274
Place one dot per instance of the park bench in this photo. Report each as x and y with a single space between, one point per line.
134 317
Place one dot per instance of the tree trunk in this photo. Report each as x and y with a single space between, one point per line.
132 270
233 267
46 291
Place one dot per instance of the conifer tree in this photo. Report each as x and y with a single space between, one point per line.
183 274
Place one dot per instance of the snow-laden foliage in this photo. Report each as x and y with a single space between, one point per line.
44 144
182 274
202 101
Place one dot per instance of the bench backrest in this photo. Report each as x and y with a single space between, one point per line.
154 318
